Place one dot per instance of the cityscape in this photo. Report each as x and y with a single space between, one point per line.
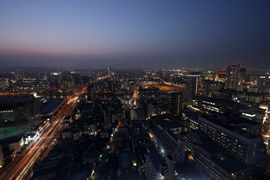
144 90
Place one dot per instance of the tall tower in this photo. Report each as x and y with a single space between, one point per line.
192 86
175 103
91 93
110 71
232 76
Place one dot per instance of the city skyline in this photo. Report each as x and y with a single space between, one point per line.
122 123
135 34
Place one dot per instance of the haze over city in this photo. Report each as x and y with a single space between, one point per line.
134 33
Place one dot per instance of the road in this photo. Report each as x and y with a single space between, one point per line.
27 91
132 101
106 76
171 84
24 167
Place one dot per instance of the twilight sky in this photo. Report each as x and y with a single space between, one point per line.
141 33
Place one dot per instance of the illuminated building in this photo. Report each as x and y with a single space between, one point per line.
192 117
247 87
111 86
132 87
19 76
242 75
253 112
171 144
192 86
91 93
16 115
175 103
232 76
253 97
110 71
176 125
211 76
156 168
237 141
150 93
221 75
213 161
160 74
211 86
137 114
209 104
263 84
4 82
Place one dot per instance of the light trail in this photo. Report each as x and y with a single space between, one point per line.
24 166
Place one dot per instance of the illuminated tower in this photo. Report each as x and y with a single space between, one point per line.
91 93
192 86
232 76
110 71
175 103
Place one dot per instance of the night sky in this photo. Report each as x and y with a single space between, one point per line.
146 33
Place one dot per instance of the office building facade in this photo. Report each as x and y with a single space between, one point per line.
192 85
232 76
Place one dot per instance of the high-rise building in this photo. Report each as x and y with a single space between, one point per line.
108 119
4 82
175 103
210 87
212 160
263 84
242 75
232 76
240 143
17 115
111 85
110 71
91 93
19 76
160 74
171 144
192 86
221 74
211 76
158 168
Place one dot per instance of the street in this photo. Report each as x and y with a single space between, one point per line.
25 165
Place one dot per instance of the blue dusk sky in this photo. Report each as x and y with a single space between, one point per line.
138 33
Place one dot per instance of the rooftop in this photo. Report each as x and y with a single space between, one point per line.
216 100
157 132
125 160
171 134
169 121
230 127
229 163
211 147
191 114
49 107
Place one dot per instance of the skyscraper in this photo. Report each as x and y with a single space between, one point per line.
242 75
110 71
192 86
175 103
91 93
232 76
